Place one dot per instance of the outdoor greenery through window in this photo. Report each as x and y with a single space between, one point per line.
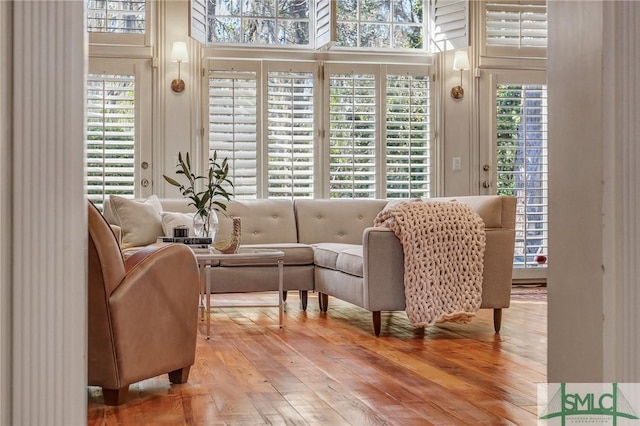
397 24
522 166
110 143
116 16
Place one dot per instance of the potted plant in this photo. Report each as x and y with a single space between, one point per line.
211 198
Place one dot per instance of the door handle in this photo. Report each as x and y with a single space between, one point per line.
144 183
486 184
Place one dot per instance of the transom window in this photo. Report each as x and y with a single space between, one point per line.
379 24
116 16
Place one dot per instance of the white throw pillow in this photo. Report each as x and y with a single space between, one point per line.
140 220
171 220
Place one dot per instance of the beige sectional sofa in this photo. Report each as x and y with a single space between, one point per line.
331 247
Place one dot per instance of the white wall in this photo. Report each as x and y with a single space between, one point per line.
456 136
179 112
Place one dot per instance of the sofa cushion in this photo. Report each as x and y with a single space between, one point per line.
139 221
335 220
339 257
172 220
294 254
263 221
350 261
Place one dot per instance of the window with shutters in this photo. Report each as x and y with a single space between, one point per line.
408 142
522 162
233 117
110 133
290 134
368 136
352 135
514 28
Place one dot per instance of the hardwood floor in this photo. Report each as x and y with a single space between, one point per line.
329 369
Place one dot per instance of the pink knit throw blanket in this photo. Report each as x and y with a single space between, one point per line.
443 245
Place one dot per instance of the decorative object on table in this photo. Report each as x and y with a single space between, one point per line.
180 231
230 244
208 201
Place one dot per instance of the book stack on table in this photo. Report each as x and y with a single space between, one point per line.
197 244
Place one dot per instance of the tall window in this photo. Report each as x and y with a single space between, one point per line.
233 133
408 141
290 134
522 166
352 135
110 144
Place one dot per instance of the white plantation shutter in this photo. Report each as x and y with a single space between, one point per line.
233 127
198 23
450 23
325 23
408 141
516 27
352 135
110 144
290 134
522 162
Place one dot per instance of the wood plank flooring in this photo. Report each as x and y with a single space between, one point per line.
329 369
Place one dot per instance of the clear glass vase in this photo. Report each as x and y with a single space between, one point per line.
205 223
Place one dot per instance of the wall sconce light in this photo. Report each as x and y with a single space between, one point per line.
179 54
460 63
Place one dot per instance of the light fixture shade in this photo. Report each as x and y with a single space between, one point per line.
461 61
179 52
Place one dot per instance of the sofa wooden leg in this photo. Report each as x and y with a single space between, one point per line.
284 296
115 396
497 319
324 301
376 322
304 297
179 376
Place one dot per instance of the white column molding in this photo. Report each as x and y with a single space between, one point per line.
49 214
621 251
5 212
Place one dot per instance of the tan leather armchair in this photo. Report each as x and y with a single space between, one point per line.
143 312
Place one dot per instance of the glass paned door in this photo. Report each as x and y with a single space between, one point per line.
516 159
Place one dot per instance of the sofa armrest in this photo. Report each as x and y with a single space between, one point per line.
383 260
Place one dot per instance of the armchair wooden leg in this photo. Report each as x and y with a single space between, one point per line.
179 376
376 322
497 319
284 296
115 396
303 299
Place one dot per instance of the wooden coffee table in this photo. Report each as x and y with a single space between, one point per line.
207 260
